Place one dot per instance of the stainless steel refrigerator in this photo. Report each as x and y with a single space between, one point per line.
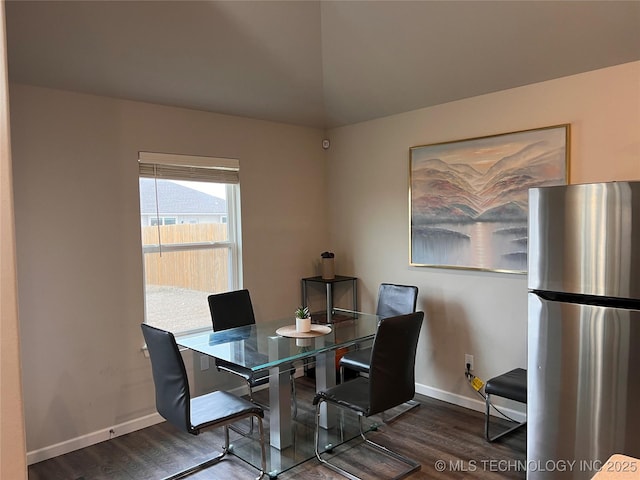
583 396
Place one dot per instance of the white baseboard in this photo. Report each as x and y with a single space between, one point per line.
466 402
92 438
98 436
89 439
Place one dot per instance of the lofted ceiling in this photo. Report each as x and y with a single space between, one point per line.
312 63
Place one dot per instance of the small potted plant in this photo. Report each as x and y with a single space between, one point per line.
303 319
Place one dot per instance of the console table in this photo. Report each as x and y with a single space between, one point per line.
328 284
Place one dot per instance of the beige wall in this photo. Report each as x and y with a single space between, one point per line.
484 314
12 435
79 255
79 259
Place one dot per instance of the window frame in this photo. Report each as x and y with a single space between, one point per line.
233 215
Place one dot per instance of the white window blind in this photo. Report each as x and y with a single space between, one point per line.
189 167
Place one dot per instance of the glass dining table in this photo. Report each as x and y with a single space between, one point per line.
276 346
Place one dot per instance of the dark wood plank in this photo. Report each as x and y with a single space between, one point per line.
436 434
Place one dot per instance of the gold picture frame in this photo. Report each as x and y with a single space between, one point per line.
469 198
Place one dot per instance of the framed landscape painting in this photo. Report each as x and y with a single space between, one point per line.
469 198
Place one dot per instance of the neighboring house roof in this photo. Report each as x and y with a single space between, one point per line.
177 199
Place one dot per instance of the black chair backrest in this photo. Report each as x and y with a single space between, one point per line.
393 358
396 300
173 400
231 309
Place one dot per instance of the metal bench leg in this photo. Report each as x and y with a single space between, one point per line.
487 416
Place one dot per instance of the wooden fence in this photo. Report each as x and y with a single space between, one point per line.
203 270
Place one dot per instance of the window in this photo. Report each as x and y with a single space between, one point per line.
189 217
156 220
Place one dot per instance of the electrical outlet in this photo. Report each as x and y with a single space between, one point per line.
468 360
204 362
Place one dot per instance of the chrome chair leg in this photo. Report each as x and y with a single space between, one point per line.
221 455
246 433
196 468
293 400
293 395
406 460
413 465
333 467
411 404
263 464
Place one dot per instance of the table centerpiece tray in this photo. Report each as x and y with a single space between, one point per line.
316 331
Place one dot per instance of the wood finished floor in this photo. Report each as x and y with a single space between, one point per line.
432 433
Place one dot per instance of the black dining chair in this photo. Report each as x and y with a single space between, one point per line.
391 382
392 300
234 309
193 415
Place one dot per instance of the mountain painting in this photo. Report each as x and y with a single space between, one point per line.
469 198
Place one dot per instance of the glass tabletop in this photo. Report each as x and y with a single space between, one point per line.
260 347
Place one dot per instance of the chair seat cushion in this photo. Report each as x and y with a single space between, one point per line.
218 407
358 360
255 379
353 394
511 385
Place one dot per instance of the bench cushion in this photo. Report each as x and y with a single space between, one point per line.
511 385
